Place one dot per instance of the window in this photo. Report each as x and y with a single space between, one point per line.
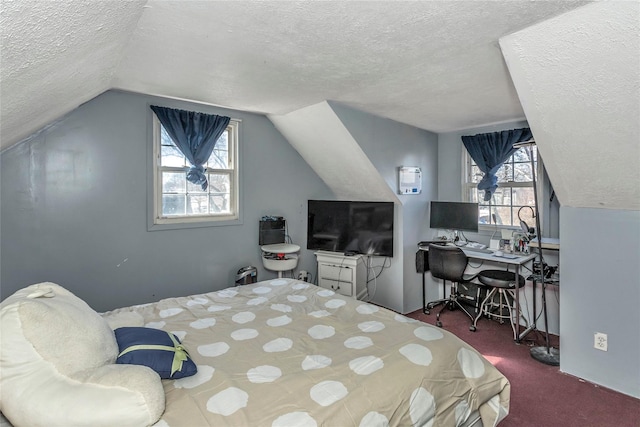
514 193
177 200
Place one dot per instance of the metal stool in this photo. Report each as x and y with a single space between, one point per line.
503 284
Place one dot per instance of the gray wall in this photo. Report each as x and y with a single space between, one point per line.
600 292
389 145
74 207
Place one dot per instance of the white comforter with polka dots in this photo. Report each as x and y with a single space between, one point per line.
285 353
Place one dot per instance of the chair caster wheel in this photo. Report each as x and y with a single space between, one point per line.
439 324
472 328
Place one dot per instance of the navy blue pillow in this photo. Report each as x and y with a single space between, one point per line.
155 348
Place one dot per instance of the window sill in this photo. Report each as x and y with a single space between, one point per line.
187 225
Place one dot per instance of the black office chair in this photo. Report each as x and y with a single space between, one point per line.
449 263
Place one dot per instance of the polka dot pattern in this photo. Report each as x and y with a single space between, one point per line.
471 363
253 342
371 326
243 317
335 303
170 312
367 309
296 298
316 361
298 419
203 323
279 321
328 392
428 333
204 374
213 350
264 374
358 343
374 419
422 407
216 308
278 345
228 401
320 332
366 365
417 354
244 334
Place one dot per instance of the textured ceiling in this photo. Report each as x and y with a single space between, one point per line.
432 64
578 76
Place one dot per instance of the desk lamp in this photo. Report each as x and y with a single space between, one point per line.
545 354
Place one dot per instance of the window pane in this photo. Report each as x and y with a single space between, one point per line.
173 204
476 174
503 215
505 173
220 197
523 172
219 183
173 182
197 204
474 195
194 188
220 204
219 158
523 196
172 157
502 196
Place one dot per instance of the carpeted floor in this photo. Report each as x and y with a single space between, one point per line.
541 396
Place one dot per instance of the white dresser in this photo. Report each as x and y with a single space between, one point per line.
346 275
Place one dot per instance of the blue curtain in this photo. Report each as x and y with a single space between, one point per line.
195 135
490 150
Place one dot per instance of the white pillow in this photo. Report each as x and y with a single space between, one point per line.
57 366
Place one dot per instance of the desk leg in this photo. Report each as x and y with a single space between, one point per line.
424 296
532 326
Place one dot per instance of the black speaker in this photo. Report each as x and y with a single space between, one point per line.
272 230
422 261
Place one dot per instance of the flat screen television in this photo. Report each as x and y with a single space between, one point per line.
461 216
350 227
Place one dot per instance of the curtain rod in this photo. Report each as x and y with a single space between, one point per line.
524 143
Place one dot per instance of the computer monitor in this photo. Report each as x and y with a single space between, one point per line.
458 216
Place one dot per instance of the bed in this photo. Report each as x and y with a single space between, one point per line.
286 353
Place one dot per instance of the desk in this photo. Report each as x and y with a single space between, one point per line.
547 243
475 255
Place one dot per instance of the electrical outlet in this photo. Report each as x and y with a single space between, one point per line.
600 341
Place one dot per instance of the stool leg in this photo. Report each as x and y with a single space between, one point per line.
513 326
483 306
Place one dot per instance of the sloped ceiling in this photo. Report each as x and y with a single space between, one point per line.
578 77
432 64
56 55
323 141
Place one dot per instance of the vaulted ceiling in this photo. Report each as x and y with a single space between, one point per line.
432 64
436 65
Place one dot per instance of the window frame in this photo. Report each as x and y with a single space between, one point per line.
467 185
158 222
